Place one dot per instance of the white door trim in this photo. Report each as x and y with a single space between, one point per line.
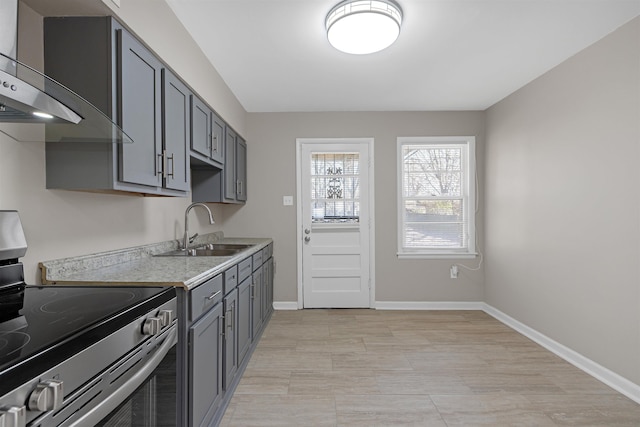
299 233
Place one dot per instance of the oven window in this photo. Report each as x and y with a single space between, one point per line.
153 404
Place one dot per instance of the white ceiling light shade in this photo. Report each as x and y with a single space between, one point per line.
360 27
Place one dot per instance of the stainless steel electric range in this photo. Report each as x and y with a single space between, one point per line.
82 355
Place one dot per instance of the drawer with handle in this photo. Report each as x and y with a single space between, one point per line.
230 279
205 296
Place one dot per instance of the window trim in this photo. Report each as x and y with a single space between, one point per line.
470 195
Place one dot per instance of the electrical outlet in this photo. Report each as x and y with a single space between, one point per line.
287 200
454 271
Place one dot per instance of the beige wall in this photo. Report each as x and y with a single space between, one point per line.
272 174
63 223
563 206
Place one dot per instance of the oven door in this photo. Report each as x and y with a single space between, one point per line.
148 395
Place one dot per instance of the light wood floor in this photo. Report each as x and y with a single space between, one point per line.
420 368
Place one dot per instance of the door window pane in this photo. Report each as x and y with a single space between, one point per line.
335 187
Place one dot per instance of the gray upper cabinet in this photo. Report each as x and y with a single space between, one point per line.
176 122
228 185
207 135
102 62
217 145
140 112
241 170
235 168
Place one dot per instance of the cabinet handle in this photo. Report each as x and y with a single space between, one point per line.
213 295
160 164
209 139
215 147
253 286
230 318
173 166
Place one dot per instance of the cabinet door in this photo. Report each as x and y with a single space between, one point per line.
241 170
244 318
218 142
200 127
140 112
256 301
205 368
176 132
272 270
267 294
230 165
230 337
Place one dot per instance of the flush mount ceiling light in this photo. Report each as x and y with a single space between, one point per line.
360 27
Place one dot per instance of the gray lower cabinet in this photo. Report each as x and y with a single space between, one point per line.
256 301
262 285
203 350
105 64
230 360
244 318
217 335
206 366
267 274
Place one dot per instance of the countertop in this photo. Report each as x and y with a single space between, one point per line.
137 266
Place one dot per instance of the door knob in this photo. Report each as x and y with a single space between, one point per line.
307 239
307 231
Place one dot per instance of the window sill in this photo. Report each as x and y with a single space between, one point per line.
334 225
408 255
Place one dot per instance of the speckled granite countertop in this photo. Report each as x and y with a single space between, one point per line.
137 266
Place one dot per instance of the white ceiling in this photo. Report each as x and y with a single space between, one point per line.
451 54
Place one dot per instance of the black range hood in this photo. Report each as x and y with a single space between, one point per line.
34 107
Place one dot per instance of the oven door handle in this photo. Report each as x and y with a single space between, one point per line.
111 402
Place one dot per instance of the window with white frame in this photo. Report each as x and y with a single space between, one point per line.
436 197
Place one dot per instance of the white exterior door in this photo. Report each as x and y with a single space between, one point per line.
334 223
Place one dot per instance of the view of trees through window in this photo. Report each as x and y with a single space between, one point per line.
433 196
335 187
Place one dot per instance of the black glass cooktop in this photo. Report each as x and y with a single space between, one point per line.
49 323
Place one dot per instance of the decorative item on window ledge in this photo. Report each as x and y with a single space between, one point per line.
334 190
360 27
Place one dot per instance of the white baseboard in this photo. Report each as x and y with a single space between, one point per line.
428 305
285 305
401 305
599 372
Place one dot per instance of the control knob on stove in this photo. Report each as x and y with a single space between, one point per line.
152 326
47 396
166 316
13 416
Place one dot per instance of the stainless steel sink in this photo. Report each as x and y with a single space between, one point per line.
215 249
